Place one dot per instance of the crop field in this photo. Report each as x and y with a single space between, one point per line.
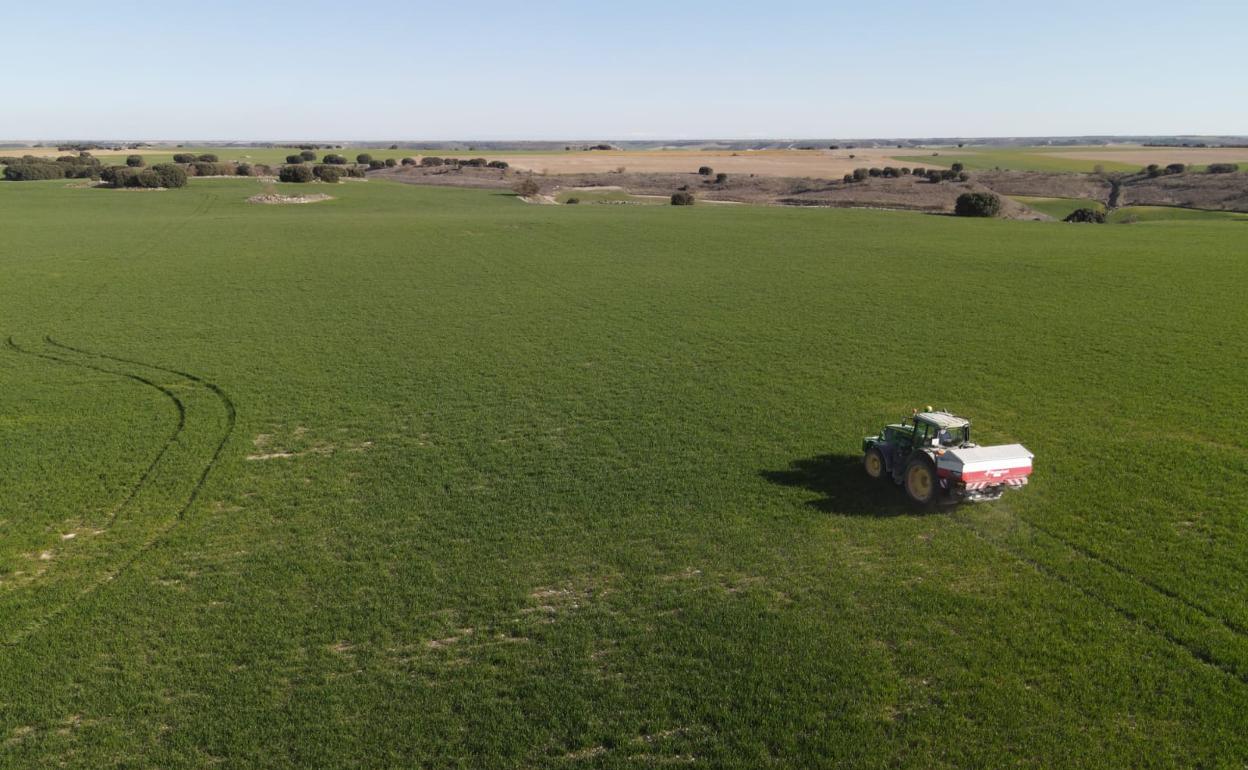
976 158
1058 208
425 477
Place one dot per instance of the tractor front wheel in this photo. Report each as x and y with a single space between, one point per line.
920 480
873 463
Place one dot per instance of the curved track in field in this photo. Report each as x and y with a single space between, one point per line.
66 355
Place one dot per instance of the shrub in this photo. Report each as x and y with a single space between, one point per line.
117 176
1223 168
170 175
295 173
890 172
1153 170
183 157
721 178
244 169
705 170
294 158
135 161
364 158
682 199
330 174
335 159
391 163
29 172
409 161
527 187
1176 168
905 171
307 154
958 168
977 205
1091 216
963 176
430 160
848 179
204 168
373 165
145 178
874 172
208 158
499 164
860 174
572 201
356 172
919 172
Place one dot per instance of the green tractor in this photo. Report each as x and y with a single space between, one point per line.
931 455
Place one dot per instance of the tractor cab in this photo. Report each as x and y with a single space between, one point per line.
941 430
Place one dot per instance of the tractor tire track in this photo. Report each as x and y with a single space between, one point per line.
161 531
1197 653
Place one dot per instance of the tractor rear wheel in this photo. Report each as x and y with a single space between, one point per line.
873 463
920 480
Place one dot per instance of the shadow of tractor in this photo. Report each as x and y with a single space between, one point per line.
845 488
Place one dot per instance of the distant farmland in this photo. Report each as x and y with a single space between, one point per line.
433 477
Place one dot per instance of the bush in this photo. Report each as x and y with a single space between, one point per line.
170 175
527 187
373 165
1153 170
204 168
356 172
364 159
244 169
183 157
933 175
860 174
335 159
919 172
890 172
117 176
499 164
295 173
294 158
391 163
308 155
329 174
1223 168
145 178
1091 216
208 158
977 205
30 172
409 161
135 161
1176 168
958 168
963 176
848 179
571 201
905 171
721 178
682 199
706 170
430 160
874 172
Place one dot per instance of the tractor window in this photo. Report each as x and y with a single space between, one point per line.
952 436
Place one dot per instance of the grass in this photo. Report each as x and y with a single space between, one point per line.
608 196
579 486
1172 213
1058 208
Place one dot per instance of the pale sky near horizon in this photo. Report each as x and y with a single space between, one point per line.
386 69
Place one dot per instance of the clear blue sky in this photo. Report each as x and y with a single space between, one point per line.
528 69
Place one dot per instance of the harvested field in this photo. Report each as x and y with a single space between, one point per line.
1162 156
784 163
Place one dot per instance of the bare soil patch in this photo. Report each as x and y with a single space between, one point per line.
1160 155
785 163
272 199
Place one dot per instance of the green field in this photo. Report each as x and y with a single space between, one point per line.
609 196
1058 208
1172 213
433 478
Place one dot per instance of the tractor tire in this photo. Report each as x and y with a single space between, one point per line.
873 463
920 480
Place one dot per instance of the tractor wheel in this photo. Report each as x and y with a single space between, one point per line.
873 463
920 480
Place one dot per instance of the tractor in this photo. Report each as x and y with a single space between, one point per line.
931 455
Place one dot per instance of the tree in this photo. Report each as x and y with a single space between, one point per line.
848 179
705 170
919 172
958 168
874 172
208 158
364 159
682 199
1153 170
293 173
1090 216
721 178
204 168
1176 168
135 161
977 204
183 157
294 158
501 164
860 174
963 176
376 164
335 159
527 187
307 154
391 163
170 175
244 169
329 174
431 160
409 161
571 201
1223 168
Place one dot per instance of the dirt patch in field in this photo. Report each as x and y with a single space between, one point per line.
277 199
782 163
